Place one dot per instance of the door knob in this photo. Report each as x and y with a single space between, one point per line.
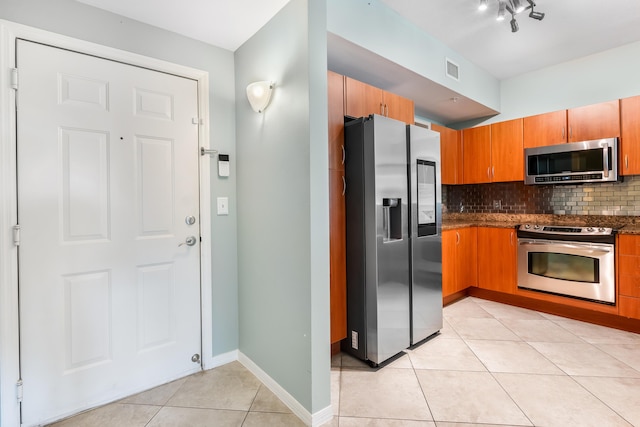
189 241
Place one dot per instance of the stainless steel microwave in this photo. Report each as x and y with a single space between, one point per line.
573 163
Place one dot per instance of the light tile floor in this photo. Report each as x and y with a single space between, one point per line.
491 365
497 365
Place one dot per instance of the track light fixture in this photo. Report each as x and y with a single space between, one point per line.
514 7
502 10
514 25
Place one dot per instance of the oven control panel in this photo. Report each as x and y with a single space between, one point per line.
566 230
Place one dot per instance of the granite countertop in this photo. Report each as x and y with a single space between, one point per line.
624 224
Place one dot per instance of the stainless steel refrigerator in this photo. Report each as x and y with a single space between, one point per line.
379 254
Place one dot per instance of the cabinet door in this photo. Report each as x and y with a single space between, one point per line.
449 259
497 259
476 154
398 107
335 84
450 155
337 256
630 138
629 265
362 99
594 121
467 258
545 129
629 307
507 153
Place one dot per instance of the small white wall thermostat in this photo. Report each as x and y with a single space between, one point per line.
223 165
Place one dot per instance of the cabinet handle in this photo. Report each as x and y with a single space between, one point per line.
381 109
570 133
457 238
344 185
562 132
489 172
493 172
511 238
386 110
626 161
344 154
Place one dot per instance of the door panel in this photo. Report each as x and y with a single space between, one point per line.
107 172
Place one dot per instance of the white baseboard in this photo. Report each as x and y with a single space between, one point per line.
322 416
300 411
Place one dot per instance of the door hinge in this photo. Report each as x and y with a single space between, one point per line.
16 235
19 391
196 121
14 78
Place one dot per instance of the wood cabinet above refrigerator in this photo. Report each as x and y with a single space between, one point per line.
362 100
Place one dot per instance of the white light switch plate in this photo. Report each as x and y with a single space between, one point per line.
223 206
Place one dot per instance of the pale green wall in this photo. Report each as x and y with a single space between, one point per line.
604 76
283 235
374 26
84 22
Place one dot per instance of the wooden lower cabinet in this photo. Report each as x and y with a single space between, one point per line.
459 260
629 276
497 259
337 256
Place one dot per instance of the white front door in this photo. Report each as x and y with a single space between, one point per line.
107 195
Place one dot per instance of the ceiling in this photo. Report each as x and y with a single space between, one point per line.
570 29
223 23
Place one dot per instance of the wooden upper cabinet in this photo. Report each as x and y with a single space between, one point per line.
594 121
398 107
335 84
545 129
507 153
450 154
476 154
362 99
630 136
497 259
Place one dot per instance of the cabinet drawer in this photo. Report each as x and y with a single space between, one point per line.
629 245
629 285
629 307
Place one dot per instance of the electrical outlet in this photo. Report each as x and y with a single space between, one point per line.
497 204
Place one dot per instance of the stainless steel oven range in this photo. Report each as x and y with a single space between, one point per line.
570 261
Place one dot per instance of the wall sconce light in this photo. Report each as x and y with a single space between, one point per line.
259 95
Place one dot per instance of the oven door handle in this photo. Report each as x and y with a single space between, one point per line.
590 248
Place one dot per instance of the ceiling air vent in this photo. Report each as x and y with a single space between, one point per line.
452 69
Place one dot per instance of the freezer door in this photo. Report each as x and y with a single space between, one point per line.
425 228
388 332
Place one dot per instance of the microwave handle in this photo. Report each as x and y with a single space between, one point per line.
605 160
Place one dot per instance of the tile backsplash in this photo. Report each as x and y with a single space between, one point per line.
619 198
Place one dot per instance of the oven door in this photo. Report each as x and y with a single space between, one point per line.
582 270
